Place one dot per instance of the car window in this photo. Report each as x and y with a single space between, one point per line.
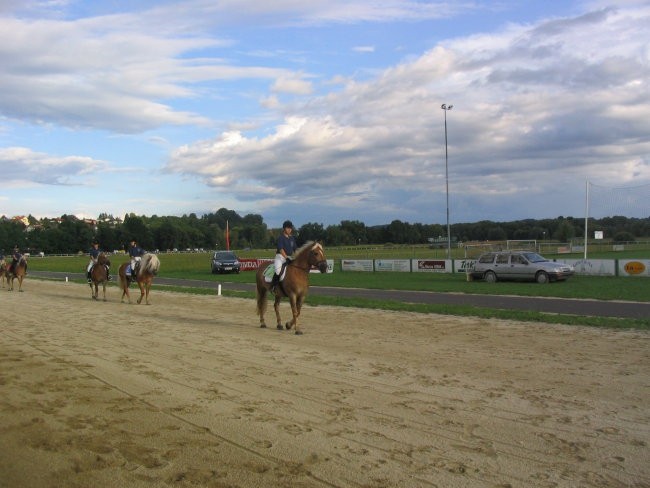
517 259
224 255
502 258
533 257
486 258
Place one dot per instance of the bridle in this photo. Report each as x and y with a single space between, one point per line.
308 268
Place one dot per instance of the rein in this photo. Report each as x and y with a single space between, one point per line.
308 268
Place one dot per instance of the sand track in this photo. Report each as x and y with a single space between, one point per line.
190 392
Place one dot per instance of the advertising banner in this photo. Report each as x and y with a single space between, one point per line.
431 265
593 267
464 265
403 265
357 265
634 267
253 264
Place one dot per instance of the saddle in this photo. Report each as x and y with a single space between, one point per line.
269 271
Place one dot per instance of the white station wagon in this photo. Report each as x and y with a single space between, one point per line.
519 265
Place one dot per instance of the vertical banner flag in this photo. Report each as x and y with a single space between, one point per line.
227 237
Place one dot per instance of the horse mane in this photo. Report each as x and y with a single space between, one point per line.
306 245
150 263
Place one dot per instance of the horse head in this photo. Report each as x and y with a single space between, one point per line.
103 259
317 257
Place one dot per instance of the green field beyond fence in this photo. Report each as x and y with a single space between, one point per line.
196 266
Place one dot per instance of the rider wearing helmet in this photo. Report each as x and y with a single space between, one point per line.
285 248
136 253
16 259
94 253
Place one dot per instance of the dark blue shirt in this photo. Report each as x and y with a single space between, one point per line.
94 253
288 243
135 251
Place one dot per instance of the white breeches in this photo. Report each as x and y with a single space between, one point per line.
278 262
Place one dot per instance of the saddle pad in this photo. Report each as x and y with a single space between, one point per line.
269 271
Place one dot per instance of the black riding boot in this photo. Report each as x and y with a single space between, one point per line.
275 281
88 277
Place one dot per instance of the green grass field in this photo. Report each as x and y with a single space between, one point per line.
197 266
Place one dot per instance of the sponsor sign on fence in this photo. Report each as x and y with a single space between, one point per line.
357 265
253 264
403 265
634 267
248 264
592 267
431 265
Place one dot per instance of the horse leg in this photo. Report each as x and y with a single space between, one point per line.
296 314
293 300
20 283
104 289
276 307
141 293
261 304
124 284
147 287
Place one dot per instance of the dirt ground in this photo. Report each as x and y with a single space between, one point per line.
189 391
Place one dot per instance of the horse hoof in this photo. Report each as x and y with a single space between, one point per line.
298 332
279 327
288 325
263 326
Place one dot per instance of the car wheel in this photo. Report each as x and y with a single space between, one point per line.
490 277
541 277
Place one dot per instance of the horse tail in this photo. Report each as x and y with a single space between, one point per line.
261 291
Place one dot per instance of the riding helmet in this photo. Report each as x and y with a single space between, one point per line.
287 224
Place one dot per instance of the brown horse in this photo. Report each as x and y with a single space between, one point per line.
18 272
149 266
99 276
294 286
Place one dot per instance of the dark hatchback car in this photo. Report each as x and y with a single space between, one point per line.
225 262
520 266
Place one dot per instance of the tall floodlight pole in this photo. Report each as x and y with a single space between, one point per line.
446 108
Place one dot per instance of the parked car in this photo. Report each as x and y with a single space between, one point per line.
225 262
519 265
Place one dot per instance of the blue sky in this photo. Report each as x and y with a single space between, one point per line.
322 111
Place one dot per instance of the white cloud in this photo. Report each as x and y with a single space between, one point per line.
24 167
537 110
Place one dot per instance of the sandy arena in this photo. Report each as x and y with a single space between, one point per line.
189 391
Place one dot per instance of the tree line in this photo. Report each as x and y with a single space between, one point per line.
68 234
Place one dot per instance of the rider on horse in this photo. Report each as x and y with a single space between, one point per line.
94 253
136 253
16 259
285 248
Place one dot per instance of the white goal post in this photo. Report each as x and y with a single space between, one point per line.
522 244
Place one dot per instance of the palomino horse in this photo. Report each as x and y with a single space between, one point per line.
149 266
295 284
19 272
99 275
4 272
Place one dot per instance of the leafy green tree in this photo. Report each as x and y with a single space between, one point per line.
312 231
